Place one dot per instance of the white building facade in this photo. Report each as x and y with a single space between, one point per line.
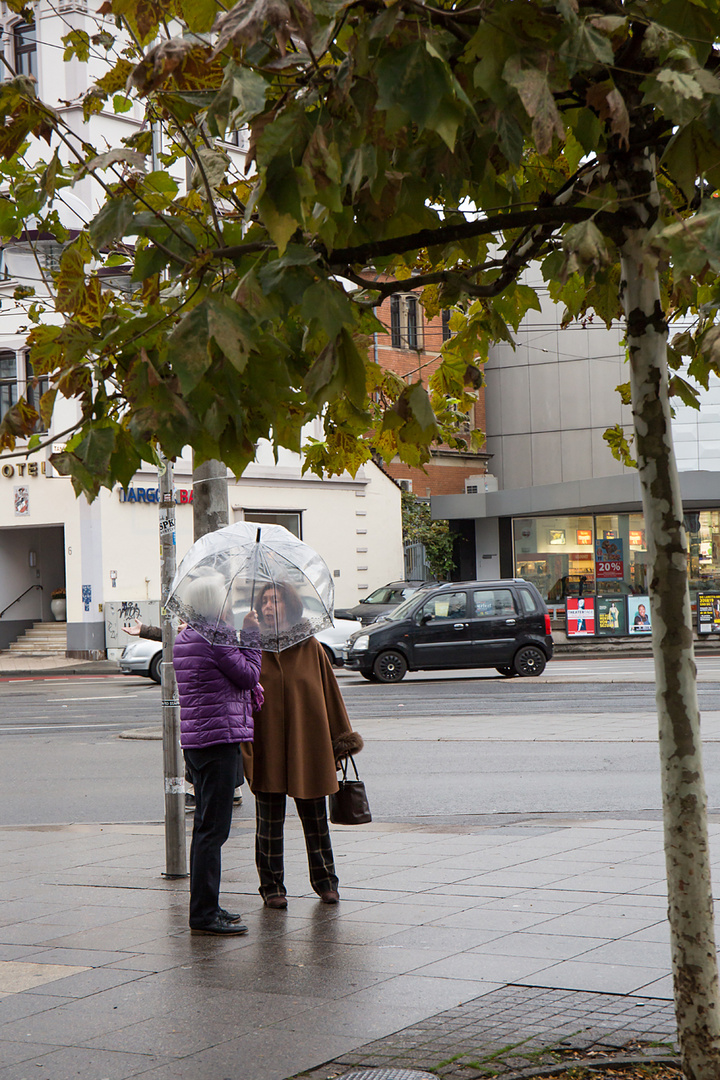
106 553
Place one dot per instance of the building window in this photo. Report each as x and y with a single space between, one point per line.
405 324
412 322
17 379
25 49
36 386
8 381
446 331
238 137
291 519
395 334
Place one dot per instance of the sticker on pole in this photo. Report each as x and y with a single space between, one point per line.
174 785
167 526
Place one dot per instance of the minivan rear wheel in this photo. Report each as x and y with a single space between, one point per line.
507 670
390 666
530 660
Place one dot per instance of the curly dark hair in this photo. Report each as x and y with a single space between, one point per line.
293 603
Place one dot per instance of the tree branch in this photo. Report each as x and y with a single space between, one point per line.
469 230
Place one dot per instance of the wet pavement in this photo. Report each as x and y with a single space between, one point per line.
461 936
466 947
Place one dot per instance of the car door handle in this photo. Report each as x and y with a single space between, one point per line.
459 626
510 622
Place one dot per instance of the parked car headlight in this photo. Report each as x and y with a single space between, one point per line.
361 643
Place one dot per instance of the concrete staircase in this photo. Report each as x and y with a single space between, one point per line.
44 639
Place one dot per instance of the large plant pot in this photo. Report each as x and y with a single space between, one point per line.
59 609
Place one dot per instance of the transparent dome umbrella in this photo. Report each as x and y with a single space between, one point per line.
243 566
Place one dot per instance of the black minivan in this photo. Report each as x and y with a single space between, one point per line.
462 624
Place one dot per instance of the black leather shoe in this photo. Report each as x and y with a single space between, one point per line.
229 916
219 927
331 896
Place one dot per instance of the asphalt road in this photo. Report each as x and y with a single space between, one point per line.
449 747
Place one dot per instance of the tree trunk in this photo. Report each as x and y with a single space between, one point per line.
210 498
690 910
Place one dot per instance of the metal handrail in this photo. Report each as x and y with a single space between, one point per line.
30 589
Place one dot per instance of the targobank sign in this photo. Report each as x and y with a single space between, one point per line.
152 495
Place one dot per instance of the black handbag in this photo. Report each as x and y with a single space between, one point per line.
349 805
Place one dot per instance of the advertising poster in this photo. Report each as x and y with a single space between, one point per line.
708 613
611 615
580 616
609 564
639 614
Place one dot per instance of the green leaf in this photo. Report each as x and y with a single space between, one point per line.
423 88
188 347
241 97
77 44
95 449
199 14
230 328
112 221
585 247
681 388
538 101
691 153
585 45
619 444
212 166
678 96
280 226
328 305
122 103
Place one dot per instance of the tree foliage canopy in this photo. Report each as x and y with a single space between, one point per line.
450 140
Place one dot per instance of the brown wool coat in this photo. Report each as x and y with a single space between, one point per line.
303 714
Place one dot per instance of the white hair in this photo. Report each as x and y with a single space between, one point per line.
206 595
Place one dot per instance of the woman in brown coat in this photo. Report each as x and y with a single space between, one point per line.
300 733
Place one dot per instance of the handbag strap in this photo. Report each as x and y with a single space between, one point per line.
344 766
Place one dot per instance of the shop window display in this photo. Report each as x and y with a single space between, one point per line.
560 554
556 554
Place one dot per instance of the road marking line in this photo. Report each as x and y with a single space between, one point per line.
64 727
102 697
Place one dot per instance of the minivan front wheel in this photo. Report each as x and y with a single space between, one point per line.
390 666
530 660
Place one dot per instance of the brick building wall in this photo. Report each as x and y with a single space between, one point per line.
410 347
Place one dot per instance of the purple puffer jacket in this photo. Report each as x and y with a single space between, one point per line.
215 687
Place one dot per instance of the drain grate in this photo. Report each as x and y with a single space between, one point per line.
387 1074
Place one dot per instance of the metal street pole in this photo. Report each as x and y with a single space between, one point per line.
173 764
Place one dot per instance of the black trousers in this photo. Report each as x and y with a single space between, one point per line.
213 770
239 776
270 822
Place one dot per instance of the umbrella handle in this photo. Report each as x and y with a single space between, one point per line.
252 594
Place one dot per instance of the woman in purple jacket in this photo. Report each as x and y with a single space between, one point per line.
215 687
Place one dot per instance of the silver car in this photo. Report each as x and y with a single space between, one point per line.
143 656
